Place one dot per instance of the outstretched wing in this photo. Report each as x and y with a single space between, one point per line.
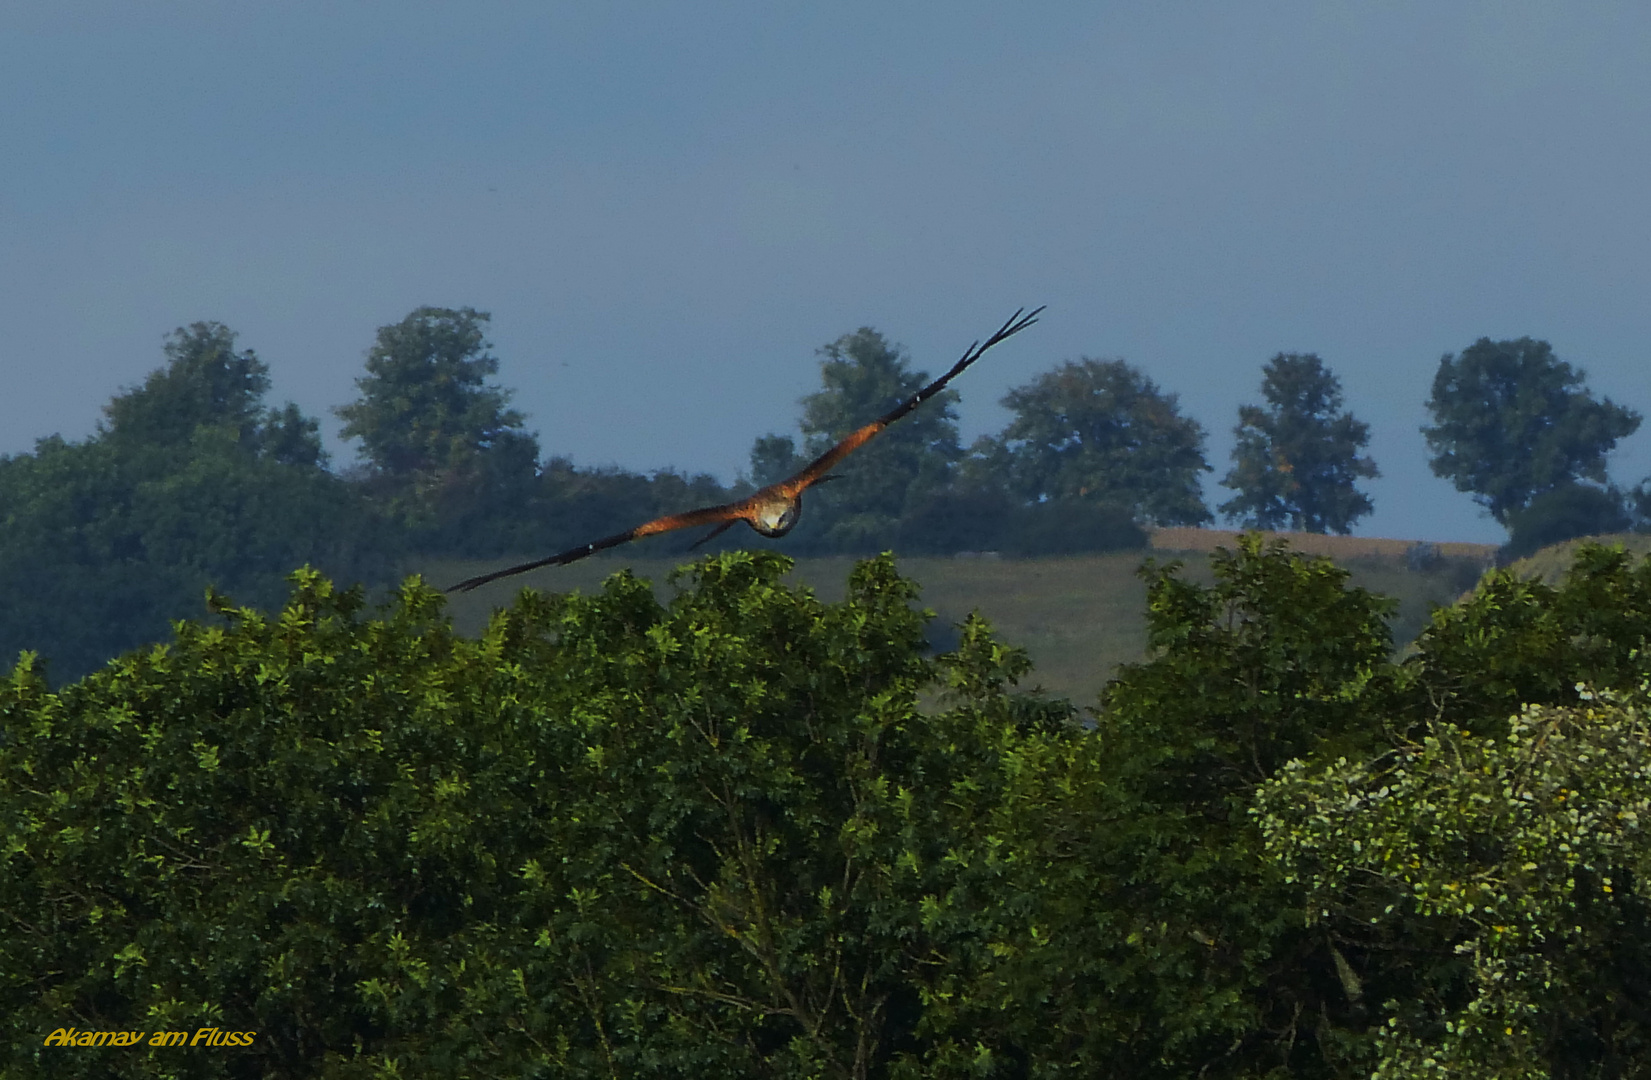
859 437
726 513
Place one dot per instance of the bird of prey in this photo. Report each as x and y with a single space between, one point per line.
773 510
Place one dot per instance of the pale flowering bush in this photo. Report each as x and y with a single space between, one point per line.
1521 859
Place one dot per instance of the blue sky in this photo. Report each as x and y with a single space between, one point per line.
668 207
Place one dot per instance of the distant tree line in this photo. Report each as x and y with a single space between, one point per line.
190 480
193 479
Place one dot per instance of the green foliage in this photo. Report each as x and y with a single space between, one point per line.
1637 502
1123 915
447 458
1256 670
989 519
192 482
1165 941
972 518
1520 860
1100 431
1520 642
1551 563
1069 527
570 505
1512 420
1475 880
609 838
1135 927
1193 951
774 458
1562 513
1096 450
746 833
1296 462
206 383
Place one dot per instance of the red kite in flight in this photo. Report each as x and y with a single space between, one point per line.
773 510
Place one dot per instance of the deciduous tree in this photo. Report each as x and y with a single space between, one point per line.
1100 431
610 838
191 481
1512 868
205 382
445 454
1297 461
865 376
1512 420
1565 512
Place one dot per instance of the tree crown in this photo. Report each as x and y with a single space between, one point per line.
1296 463
1512 420
425 402
1100 430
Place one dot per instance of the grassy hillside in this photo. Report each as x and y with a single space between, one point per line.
1550 563
1079 616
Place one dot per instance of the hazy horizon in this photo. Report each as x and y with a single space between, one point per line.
667 208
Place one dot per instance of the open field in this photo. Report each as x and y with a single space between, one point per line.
1336 547
1079 616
